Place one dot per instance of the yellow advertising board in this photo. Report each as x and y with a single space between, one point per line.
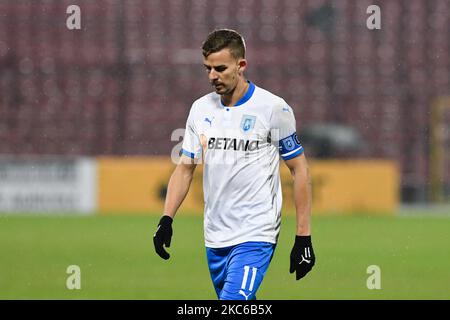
348 186
138 184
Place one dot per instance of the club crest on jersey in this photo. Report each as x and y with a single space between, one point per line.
247 123
289 144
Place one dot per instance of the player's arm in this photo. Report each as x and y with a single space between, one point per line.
302 254
177 190
179 184
302 193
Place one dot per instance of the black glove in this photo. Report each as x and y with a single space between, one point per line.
302 256
163 235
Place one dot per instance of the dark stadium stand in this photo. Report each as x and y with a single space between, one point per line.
123 83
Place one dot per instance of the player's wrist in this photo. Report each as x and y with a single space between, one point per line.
303 230
166 220
302 240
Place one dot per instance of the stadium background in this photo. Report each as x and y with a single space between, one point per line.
115 91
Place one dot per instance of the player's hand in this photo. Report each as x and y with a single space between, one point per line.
163 236
302 256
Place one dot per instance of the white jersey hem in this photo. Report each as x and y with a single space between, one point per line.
225 244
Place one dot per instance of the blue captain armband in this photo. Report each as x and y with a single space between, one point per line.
290 147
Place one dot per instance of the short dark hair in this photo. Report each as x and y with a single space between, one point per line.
224 38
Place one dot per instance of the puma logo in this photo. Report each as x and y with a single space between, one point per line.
243 293
209 121
307 255
306 260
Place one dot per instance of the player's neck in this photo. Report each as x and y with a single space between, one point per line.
233 97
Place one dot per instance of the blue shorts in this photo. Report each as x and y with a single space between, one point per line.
237 271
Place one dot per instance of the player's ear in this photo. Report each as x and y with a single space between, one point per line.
242 65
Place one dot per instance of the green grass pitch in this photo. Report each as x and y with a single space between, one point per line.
117 261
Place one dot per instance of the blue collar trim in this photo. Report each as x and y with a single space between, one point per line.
246 96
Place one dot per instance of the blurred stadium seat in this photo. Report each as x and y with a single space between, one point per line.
118 86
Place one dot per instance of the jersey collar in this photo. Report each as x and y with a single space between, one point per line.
245 97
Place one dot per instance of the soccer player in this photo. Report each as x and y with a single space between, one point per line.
239 133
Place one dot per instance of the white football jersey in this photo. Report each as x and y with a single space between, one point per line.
240 148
